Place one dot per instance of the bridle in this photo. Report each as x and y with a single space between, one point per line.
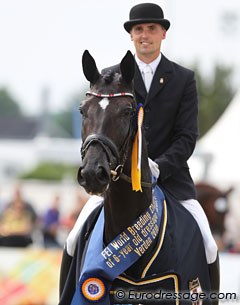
110 94
107 144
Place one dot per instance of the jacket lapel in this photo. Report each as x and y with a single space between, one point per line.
161 77
139 84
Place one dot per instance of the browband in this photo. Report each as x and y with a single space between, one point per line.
110 94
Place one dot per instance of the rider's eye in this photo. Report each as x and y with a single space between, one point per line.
152 28
137 29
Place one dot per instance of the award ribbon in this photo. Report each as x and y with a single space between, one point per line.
102 266
137 152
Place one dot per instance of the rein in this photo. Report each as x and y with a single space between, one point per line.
109 146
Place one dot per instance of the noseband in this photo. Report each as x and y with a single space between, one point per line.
108 145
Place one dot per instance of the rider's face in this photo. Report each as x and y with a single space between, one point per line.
147 39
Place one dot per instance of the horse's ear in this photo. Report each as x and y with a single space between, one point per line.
127 67
89 67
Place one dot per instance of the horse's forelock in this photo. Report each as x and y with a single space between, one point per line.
111 82
109 77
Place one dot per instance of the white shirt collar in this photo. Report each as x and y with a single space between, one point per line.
152 64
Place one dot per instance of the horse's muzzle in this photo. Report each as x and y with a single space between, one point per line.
94 179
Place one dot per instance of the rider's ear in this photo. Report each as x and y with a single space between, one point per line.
164 34
89 67
127 67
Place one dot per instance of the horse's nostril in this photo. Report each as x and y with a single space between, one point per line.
80 176
96 175
94 179
102 173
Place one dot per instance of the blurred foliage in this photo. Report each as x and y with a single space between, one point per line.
8 105
65 118
51 172
215 93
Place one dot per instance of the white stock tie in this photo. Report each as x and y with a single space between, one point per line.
148 75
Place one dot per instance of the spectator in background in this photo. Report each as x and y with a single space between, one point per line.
1 203
51 223
17 221
69 221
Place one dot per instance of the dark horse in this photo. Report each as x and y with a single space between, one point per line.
215 203
175 261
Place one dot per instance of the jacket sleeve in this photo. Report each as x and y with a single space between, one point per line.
184 133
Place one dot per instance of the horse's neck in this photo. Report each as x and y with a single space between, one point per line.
122 205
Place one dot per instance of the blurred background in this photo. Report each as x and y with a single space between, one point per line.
41 86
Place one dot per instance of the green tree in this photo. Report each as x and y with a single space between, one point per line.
50 171
215 93
8 105
65 118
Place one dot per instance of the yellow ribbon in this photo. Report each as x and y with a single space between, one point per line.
137 154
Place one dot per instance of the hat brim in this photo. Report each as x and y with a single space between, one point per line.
129 24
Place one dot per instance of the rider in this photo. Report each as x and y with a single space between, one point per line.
170 119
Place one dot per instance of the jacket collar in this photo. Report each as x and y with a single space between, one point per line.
162 75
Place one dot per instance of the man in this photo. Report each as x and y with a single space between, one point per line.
168 92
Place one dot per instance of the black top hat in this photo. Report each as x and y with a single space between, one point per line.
146 13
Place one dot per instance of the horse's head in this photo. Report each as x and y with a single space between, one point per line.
107 122
215 203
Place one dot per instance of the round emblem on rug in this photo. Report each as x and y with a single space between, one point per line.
93 289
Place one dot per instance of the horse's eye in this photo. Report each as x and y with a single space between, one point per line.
83 112
127 111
